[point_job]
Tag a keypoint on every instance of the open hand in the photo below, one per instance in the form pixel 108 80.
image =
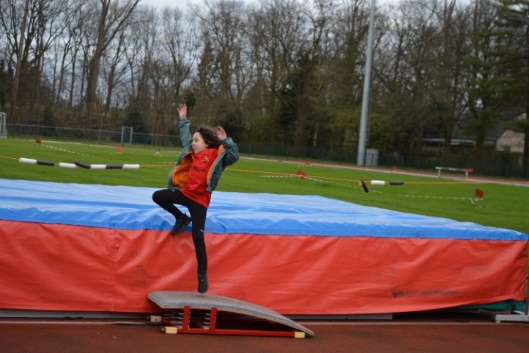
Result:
pixel 221 134
pixel 182 111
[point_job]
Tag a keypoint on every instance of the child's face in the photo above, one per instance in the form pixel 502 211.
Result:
pixel 198 145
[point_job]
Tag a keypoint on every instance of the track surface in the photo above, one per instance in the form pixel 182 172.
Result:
pixel 408 333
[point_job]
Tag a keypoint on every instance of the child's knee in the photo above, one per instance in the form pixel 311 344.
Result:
pixel 157 196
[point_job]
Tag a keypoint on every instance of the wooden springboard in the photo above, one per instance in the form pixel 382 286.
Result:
pixel 186 312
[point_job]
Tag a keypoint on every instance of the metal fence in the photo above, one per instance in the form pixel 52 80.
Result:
pixel 92 136
pixel 501 165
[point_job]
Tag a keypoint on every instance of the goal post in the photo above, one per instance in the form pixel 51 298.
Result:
pixel 126 134
pixel 3 129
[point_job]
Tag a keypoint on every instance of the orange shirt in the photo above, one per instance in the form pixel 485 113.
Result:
pixel 196 187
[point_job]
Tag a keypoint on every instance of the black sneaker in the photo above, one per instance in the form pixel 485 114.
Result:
pixel 203 283
pixel 180 224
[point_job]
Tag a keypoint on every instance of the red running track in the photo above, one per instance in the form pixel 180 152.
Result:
pixel 408 333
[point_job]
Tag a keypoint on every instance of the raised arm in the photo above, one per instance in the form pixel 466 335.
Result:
pixel 221 134
pixel 182 111
pixel 183 125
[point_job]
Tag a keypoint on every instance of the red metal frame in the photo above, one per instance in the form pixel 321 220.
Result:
pixel 211 326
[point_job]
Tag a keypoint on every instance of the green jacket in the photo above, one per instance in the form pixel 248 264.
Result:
pixel 228 154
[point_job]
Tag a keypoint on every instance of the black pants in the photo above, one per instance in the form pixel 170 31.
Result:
pixel 166 199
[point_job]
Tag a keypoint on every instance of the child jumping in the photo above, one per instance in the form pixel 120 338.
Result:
pixel 193 179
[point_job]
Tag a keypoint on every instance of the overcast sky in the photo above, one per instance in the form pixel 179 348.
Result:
pixel 171 3
pixel 183 3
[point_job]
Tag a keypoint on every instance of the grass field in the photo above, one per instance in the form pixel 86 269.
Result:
pixel 503 205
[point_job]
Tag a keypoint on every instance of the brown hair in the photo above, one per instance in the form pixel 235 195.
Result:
pixel 209 134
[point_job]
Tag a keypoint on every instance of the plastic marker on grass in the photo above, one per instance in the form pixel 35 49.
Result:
pixel 378 182
pixel 35 161
pixel 382 182
pixel 79 164
pixel 107 166
pixel 364 186
pixel 51 164
pixel 98 166
pixel 67 165
pixel 396 182
pixel 27 161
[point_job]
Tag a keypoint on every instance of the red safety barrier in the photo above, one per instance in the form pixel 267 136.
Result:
pixel 73 268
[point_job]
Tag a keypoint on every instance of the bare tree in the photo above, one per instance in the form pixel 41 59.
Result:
pixel 311 87
pixel 422 72
pixel 112 16
pixel 395 84
pixel 15 26
pixel 30 27
pixel 67 49
pixel 140 53
pixel 486 83
pixel 180 48
pixel 114 70
pixel 341 66
pixel 446 75
pixel 173 66
pixel 277 38
pixel 223 25
pixel 514 24
pixel 142 56
pixel 46 27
